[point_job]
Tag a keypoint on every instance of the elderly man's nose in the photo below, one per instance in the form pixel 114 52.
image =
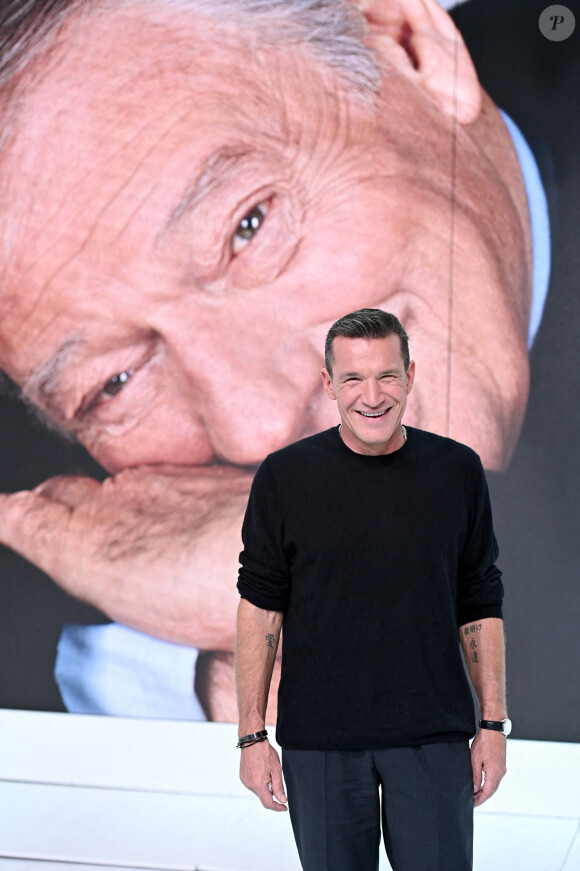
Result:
pixel 255 417
pixel 251 405
pixel 251 387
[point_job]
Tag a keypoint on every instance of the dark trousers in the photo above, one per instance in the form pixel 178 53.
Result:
pixel 425 805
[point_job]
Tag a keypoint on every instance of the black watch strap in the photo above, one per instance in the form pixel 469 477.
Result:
pixel 503 726
pixel 496 725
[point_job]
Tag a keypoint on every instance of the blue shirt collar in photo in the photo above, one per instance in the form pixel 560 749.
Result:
pixel 540 227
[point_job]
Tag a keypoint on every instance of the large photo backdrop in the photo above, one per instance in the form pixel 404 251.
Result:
pixel 190 198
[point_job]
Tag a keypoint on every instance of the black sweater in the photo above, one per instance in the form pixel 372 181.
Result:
pixel 375 562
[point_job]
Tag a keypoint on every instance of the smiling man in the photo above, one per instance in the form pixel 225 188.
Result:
pixel 194 192
pixel 371 408
pixel 371 546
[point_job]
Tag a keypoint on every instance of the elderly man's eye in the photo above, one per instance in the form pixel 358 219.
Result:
pixel 115 384
pixel 248 227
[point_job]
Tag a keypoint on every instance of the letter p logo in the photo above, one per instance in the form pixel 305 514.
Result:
pixel 557 23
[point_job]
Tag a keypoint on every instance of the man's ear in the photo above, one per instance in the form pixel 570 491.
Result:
pixel 410 377
pixel 421 41
pixel 327 383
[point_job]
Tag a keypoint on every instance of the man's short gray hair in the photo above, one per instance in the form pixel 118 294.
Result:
pixel 332 30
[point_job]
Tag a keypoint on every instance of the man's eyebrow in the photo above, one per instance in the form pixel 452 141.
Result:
pixel 45 378
pixel 214 173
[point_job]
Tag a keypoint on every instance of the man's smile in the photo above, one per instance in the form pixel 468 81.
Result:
pixel 373 413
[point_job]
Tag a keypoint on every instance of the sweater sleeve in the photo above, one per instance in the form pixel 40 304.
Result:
pixel 264 575
pixel 479 584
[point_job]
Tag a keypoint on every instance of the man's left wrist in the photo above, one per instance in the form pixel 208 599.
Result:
pixel 504 726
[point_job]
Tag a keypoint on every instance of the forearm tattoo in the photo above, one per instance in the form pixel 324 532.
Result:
pixel 270 641
pixel 470 633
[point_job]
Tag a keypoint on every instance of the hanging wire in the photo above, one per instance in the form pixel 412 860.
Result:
pixel 452 195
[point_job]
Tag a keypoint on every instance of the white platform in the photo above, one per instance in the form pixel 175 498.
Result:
pixel 96 791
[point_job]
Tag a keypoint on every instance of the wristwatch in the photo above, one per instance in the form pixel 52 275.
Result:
pixel 503 726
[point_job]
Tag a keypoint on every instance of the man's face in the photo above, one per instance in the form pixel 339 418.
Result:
pixel 370 385
pixel 189 218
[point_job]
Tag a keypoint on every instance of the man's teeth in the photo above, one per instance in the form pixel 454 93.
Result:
pixel 376 414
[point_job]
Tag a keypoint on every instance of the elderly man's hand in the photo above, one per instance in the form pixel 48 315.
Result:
pixel 155 548
pixel 215 687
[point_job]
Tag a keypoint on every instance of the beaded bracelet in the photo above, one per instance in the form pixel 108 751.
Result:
pixel 251 739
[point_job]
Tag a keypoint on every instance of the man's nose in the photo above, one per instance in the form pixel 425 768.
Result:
pixel 372 394
pixel 251 391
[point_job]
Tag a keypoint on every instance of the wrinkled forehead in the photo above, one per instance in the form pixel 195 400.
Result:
pixel 104 141
pixel 349 352
pixel 111 78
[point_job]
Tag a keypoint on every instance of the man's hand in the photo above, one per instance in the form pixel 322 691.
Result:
pixel 488 751
pixel 483 647
pixel 261 772
pixel 155 548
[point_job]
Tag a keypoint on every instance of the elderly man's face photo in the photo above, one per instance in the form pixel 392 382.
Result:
pixel 191 216
pixel 191 194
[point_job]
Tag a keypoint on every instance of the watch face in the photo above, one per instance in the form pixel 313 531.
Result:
pixel 507 727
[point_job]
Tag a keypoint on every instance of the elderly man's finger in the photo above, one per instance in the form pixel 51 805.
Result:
pixel 70 490
pixel 33 525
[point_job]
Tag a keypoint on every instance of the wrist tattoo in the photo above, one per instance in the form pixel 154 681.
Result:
pixel 270 641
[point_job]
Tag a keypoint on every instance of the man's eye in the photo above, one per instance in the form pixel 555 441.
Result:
pixel 115 384
pixel 248 227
